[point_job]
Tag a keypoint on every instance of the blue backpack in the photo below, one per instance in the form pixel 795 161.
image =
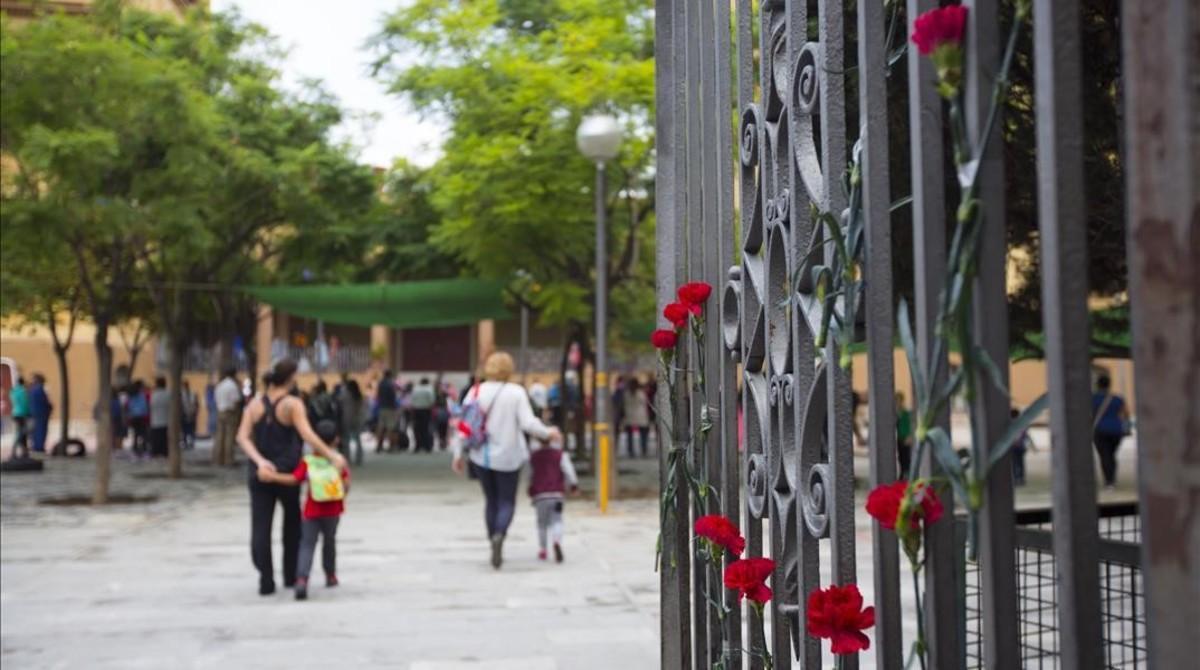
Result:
pixel 473 425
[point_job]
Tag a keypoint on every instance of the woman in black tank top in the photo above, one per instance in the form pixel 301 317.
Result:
pixel 272 434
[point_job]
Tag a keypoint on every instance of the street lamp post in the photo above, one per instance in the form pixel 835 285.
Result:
pixel 599 139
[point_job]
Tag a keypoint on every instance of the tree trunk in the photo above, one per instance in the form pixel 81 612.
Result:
pixel 175 421
pixel 104 432
pixel 64 396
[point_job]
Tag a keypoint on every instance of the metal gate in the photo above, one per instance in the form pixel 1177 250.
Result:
pixel 753 153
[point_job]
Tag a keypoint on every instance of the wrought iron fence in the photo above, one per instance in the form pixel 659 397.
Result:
pixel 738 208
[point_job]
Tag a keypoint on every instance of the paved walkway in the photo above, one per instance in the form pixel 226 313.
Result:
pixel 170 585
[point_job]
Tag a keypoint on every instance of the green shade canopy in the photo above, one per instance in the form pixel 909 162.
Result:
pixel 418 304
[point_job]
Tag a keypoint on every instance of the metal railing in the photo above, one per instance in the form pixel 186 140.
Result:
pixel 1122 593
pixel 747 197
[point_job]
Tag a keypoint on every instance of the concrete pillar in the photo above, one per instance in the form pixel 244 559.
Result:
pixel 485 339
pixel 381 340
pixel 264 334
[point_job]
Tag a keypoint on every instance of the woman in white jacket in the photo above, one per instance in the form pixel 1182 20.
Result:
pixel 497 465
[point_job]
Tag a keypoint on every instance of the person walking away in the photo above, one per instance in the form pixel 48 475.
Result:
pixel 1019 447
pixel 903 435
pixel 19 398
pixel 351 406
pixel 210 412
pixel 323 507
pixel 422 401
pixel 227 397
pixel 441 415
pixel 160 415
pixel 499 450
pixel 1110 425
pixel 388 425
pixel 321 405
pixel 551 474
pixel 637 415
pixel 190 406
pixel 272 431
pixel 40 409
pixel 138 410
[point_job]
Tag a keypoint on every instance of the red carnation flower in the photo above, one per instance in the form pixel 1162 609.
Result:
pixel 837 614
pixel 748 577
pixel 884 502
pixel 721 531
pixel 677 314
pixel 664 339
pixel 945 25
pixel 695 294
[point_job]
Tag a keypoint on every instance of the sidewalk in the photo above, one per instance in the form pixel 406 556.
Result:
pixel 170 584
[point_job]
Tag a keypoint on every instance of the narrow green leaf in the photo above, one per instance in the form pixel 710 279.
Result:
pixel 1014 430
pixel 910 348
pixel 993 372
pixel 900 203
pixel 951 464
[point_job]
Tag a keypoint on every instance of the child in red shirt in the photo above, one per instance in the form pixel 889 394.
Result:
pixel 320 516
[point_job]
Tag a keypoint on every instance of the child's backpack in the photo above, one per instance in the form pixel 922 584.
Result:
pixel 324 480
pixel 473 425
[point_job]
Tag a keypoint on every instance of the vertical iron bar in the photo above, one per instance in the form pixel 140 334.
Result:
pixel 675 614
pixel 778 641
pixel 989 323
pixel 1062 223
pixel 707 267
pixel 876 201
pixel 1161 64
pixel 696 206
pixel 809 547
pixel 726 369
pixel 942 551
pixel 752 527
pixel 830 21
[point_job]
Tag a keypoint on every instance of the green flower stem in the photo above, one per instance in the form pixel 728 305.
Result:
pixel 919 643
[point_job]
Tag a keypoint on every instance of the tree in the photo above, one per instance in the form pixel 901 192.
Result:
pixel 35 293
pixel 268 175
pixel 513 78
pixel 102 139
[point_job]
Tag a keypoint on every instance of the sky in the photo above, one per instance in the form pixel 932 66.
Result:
pixel 325 41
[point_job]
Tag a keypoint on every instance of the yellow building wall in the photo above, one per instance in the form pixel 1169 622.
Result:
pixel 1027 379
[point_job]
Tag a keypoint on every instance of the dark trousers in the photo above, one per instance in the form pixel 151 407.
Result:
pixel 310 530
pixel 22 437
pixel 139 425
pixel 158 441
pixel 422 421
pixel 262 514
pixel 500 494
pixel 904 456
pixel 1018 466
pixel 643 432
pixel 41 428
pixel 1106 447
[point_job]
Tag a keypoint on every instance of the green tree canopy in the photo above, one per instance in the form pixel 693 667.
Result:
pixel 512 80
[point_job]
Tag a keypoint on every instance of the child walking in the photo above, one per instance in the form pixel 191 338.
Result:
pixel 552 473
pixel 323 507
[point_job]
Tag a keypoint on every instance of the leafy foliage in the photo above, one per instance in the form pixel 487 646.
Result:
pixel 513 78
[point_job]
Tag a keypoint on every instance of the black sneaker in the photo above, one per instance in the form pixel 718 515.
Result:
pixel 266 587
pixel 558 555
pixel 301 589
pixel 497 550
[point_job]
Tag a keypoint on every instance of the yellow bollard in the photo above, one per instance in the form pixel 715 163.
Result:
pixel 602 478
